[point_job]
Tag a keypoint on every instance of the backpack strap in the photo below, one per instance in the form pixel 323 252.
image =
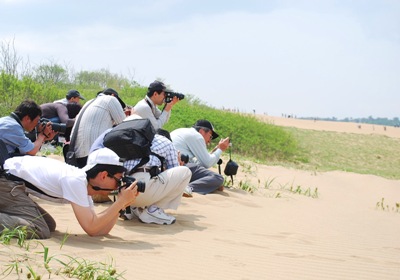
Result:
pixel 3 154
pixel 145 160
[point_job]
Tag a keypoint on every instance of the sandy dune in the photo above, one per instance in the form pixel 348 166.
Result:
pixel 335 231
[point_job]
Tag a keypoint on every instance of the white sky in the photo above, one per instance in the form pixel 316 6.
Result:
pixel 308 58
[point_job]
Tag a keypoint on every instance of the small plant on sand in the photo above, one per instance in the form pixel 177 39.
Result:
pixel 306 192
pixel 20 233
pixel 68 266
pixel 309 192
pixel 246 186
pixel 385 207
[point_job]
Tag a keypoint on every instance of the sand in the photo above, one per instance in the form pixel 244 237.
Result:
pixel 338 230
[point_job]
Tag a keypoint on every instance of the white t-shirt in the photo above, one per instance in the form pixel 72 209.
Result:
pixel 52 176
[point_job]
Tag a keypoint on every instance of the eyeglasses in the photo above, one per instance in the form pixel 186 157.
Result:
pixel 118 180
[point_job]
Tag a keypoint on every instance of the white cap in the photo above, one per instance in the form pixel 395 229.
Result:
pixel 102 156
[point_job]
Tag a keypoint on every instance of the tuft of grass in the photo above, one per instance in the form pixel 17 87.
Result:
pixel 66 265
pixel 385 207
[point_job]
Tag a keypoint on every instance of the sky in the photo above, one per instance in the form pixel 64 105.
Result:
pixel 304 58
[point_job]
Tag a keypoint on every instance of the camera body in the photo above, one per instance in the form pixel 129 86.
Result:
pixel 169 95
pixel 128 180
pixel 58 127
pixel 184 158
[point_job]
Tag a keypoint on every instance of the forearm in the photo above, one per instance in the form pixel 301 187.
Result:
pixel 97 224
pixel 37 144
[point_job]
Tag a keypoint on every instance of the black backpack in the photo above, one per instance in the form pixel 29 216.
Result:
pixel 132 140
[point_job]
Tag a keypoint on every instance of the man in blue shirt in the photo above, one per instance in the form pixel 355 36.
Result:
pixel 25 118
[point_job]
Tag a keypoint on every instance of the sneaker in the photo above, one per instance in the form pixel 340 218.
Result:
pixel 188 192
pixel 156 216
pixel 133 213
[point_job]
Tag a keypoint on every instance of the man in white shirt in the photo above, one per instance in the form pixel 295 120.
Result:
pixel 193 142
pixel 147 107
pixel 56 180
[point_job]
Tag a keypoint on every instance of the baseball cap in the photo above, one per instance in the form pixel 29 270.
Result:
pixel 74 93
pixel 207 124
pixel 111 91
pixel 103 156
pixel 157 86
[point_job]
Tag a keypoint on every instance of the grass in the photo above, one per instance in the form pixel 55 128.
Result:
pixel 350 152
pixel 385 207
pixel 39 265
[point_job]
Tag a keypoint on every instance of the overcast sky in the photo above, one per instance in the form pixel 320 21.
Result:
pixel 305 58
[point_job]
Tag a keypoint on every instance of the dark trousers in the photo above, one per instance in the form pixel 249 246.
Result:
pixel 204 181
pixel 18 209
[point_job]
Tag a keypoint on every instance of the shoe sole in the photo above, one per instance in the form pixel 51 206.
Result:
pixel 166 223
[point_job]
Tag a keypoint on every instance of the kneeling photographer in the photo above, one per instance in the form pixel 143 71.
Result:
pixel 163 183
pixel 193 142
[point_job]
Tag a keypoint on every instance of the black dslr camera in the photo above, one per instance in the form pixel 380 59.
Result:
pixel 128 180
pixel 169 95
pixel 58 127
pixel 184 158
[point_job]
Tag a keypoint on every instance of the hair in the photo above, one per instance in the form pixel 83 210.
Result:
pixel 73 109
pixel 28 108
pixel 152 89
pixel 151 92
pixel 206 129
pixel 164 133
pixel 109 168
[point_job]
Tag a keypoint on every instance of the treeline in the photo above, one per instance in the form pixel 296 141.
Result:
pixel 370 120
pixel 47 82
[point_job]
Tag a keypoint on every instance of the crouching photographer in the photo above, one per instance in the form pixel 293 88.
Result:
pixel 164 180
pixel 193 142
pixel 24 118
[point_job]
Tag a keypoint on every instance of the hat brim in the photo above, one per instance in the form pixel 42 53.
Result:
pixel 121 102
pixel 214 135
pixel 81 97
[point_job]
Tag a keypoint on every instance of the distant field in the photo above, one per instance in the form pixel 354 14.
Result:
pixel 345 146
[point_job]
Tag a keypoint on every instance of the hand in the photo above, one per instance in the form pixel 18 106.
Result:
pixel 128 195
pixel 224 144
pixel 48 132
pixel 181 162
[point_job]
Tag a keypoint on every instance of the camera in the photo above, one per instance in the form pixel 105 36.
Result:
pixel 169 95
pixel 184 158
pixel 128 180
pixel 58 127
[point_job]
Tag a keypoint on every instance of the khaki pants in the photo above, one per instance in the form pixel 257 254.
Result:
pixel 18 209
pixel 165 190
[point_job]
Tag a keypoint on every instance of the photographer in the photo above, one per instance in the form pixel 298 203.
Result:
pixel 156 95
pixel 57 111
pixel 25 118
pixel 193 143
pixel 163 188
pixel 59 182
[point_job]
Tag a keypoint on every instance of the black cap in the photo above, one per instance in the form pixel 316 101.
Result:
pixel 111 91
pixel 207 124
pixel 157 86
pixel 74 93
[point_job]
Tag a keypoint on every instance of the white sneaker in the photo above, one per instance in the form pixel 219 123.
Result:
pixel 155 215
pixel 188 192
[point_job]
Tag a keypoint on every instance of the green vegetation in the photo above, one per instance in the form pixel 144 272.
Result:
pixel 253 140
pixel 38 265
pixel 385 207
pixel 363 154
